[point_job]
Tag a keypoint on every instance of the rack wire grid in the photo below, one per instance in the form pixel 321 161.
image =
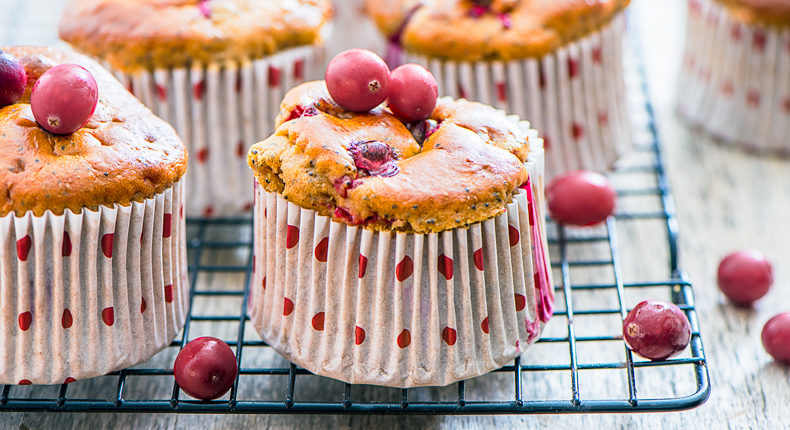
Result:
pixel 580 364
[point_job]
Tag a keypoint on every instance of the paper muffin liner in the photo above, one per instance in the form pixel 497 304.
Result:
pixel 220 110
pixel 397 309
pixel 357 29
pixel 575 96
pixel 85 294
pixel 735 80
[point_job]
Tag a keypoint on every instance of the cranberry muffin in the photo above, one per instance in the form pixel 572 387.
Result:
pixel 215 69
pixel 91 233
pixel 398 254
pixel 556 62
pixel 738 91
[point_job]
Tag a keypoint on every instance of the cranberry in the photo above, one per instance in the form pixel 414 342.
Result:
pixel 12 79
pixel 205 9
pixel 375 157
pixel 64 98
pixel 581 198
pixel 656 330
pixel 357 79
pixel 205 368
pixel 413 93
pixel 745 276
pixel 776 337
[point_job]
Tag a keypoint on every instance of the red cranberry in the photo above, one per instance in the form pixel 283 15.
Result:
pixel 358 80
pixel 205 368
pixel 776 337
pixel 581 198
pixel 375 158
pixel 12 79
pixel 745 276
pixel 413 93
pixel 656 330
pixel 64 98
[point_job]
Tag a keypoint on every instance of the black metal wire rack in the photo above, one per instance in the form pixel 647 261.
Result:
pixel 561 373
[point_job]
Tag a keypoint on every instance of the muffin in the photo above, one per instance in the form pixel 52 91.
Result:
pixel 92 238
pixel 215 69
pixel 398 256
pixel 558 63
pixel 735 79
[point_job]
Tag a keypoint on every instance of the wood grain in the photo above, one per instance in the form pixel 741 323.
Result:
pixel 725 199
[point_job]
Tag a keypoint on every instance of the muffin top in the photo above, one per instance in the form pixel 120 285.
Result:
pixel 123 154
pixel 460 166
pixel 151 34
pixel 767 12
pixel 489 30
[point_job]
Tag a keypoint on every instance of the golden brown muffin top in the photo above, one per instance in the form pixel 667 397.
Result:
pixel 767 12
pixel 465 171
pixel 123 154
pixel 151 34
pixel 489 30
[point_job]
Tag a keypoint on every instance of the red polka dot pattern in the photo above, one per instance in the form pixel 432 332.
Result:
pixel 513 235
pixel 202 155
pixel 240 149
pixel 197 90
pixel 65 249
pixel 166 225
pixel 106 244
pixel 478 259
pixel 168 293
pixel 291 237
pixel 23 247
pixel 404 269
pixel 299 69
pixel 108 316
pixel 69 380
pixel 446 266
pixel 449 335
pixel 264 283
pixel 318 321
pixel 274 76
pixel 66 320
pixel 161 92
pixel 521 302
pixel 597 54
pixel 573 67
pixel 288 306
pixel 577 130
pixel 25 382
pixel 359 335
pixel 363 265
pixel 404 338
pixel 143 306
pixel 501 92
pixel 321 250
pixel 25 319
pixel 484 325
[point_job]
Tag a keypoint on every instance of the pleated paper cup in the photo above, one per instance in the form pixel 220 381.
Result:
pixel 735 80
pixel 575 96
pixel 84 294
pixel 219 111
pixel 395 309
pixel 357 29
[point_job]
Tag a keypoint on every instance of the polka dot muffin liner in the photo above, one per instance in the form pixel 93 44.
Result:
pixel 575 96
pixel 85 294
pixel 351 14
pixel 735 80
pixel 401 310
pixel 220 110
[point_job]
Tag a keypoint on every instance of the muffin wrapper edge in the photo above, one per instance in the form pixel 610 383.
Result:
pixel 220 110
pixel 85 294
pixel 735 80
pixel 401 310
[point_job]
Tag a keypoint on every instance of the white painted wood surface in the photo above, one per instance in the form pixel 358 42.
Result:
pixel 725 199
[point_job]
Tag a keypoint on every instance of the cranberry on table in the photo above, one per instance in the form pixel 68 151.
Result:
pixel 413 93
pixel 581 198
pixel 656 330
pixel 64 98
pixel 776 337
pixel 357 80
pixel 745 276
pixel 12 79
pixel 205 368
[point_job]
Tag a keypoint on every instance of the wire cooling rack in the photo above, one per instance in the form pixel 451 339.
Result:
pixel 579 365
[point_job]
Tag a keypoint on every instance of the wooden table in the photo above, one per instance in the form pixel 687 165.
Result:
pixel 726 200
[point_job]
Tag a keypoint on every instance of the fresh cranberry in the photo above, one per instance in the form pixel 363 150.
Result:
pixel 656 330
pixel 776 337
pixel 413 93
pixel 205 368
pixel 357 80
pixel 375 158
pixel 12 79
pixel 581 198
pixel 64 98
pixel 745 276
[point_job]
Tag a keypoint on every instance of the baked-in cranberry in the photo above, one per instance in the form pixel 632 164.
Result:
pixel 206 368
pixel 580 198
pixel 64 98
pixel 413 92
pixel 422 130
pixel 745 276
pixel 776 337
pixel 12 79
pixel 357 80
pixel 656 330
pixel 375 158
